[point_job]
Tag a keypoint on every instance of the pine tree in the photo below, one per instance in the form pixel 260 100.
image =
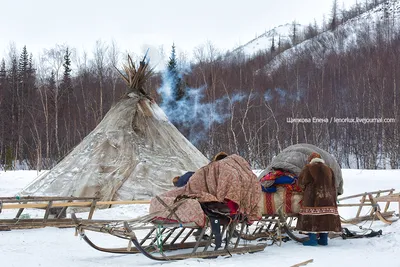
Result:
pixel 273 44
pixel 23 61
pixel 31 70
pixel 23 65
pixel 3 110
pixel 3 73
pixel 334 19
pixel 311 31
pixel 178 91
pixel 3 94
pixel 66 94
pixel 294 33
pixel 52 81
pixel 26 76
pixel 66 81
pixel 22 101
pixel 279 43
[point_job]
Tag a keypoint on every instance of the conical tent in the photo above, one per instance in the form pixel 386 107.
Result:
pixel 133 153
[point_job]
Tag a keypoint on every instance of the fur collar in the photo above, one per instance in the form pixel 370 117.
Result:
pixel 315 160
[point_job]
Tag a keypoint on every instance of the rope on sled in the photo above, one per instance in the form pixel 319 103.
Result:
pixel 159 238
pixel 361 226
pixel 346 233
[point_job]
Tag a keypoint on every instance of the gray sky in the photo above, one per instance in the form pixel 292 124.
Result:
pixel 134 24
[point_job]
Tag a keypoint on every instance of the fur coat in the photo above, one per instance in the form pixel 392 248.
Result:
pixel 318 211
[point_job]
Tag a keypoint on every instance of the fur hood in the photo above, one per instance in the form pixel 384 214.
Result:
pixel 317 160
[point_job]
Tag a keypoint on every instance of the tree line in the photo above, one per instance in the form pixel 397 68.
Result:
pixel 49 104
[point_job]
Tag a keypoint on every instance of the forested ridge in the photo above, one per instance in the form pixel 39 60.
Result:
pixel 346 102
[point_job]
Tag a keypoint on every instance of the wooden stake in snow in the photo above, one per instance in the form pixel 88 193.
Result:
pixel 303 263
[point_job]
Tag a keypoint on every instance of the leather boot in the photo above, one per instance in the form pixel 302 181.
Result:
pixel 323 239
pixel 312 241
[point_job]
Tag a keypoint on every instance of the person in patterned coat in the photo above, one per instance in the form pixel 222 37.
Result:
pixel 318 212
pixel 180 181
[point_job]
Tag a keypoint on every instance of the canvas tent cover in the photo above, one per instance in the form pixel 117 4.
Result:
pixel 133 153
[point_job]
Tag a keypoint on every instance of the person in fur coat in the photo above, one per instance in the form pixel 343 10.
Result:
pixel 318 213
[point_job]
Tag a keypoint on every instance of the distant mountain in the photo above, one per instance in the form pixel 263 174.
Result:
pixel 264 41
pixel 355 32
pixel 345 37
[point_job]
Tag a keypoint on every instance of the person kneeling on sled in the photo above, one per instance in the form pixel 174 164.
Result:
pixel 180 181
pixel 318 212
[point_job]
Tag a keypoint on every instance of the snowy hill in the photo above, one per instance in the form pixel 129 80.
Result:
pixel 347 35
pixel 50 247
pixel 264 41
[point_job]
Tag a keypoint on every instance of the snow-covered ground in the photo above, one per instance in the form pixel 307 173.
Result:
pixel 60 247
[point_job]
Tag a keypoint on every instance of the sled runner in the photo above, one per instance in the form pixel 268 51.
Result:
pixel 163 238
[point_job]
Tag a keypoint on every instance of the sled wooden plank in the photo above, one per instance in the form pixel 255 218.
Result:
pixel 389 198
pixel 303 263
pixel 367 217
pixel 388 203
pixel 19 211
pixel 49 222
pixel 73 204
pixel 366 193
pixel 46 214
pixel 62 211
pixel 38 223
pixel 40 220
pixel 33 226
pixel 92 208
pixel 360 208
pixel 354 205
pixel 374 203
pixel 4 228
pixel 31 199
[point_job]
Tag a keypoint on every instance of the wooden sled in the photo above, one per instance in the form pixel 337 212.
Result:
pixel 371 200
pixel 276 228
pixel 163 241
pixel 279 226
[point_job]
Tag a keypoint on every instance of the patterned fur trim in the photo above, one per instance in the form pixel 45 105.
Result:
pixel 315 160
pixel 318 211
